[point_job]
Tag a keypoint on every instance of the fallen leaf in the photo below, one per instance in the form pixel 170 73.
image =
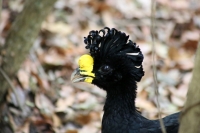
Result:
pixel 90 128
pixel 107 19
pixel 64 103
pixel 56 121
pixel 89 104
pixel 187 64
pixel 177 101
pixel 66 91
pixel 179 5
pixel 17 98
pixel 23 77
pixel 83 119
pixel 72 131
pixel 187 78
pixel 44 104
pixel 179 54
pixel 82 96
pixel 59 27
pixel 52 57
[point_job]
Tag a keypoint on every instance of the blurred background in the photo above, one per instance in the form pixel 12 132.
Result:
pixel 51 103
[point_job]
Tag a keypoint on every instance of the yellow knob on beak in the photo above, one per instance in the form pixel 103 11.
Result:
pixel 84 72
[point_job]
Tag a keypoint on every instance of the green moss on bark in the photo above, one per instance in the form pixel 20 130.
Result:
pixel 20 38
pixel 190 119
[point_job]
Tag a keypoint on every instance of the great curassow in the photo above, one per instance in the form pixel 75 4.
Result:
pixel 115 65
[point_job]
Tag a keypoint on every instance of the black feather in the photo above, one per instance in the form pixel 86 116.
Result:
pixel 111 48
pixel 112 42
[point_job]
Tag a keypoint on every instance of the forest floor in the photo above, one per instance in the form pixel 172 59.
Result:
pixel 51 103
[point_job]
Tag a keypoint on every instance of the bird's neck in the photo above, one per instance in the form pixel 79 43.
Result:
pixel 120 110
pixel 121 101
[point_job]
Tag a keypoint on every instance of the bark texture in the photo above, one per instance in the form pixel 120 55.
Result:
pixel 20 38
pixel 190 118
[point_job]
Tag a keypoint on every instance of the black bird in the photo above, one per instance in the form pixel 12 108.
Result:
pixel 115 65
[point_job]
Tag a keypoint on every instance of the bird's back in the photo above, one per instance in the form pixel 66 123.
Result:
pixel 138 124
pixel 171 124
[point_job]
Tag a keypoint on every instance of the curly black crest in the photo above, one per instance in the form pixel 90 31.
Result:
pixel 112 42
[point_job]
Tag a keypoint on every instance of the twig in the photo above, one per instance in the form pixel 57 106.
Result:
pixel 1 4
pixel 153 8
pixel 34 58
pixel 11 85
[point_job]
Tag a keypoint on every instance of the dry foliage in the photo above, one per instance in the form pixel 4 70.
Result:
pixel 51 103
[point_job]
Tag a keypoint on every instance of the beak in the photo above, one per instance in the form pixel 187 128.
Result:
pixel 77 77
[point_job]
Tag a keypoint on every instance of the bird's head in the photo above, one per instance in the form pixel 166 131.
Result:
pixel 113 62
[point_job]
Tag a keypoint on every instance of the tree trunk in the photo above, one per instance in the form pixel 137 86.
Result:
pixel 20 38
pixel 190 118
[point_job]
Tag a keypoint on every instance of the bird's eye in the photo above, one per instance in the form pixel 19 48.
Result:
pixel 105 69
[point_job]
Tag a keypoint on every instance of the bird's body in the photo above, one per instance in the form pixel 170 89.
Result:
pixel 135 123
pixel 121 116
pixel 115 65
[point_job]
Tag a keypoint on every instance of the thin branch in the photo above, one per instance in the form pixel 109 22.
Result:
pixel 1 5
pixel 11 85
pixel 153 8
